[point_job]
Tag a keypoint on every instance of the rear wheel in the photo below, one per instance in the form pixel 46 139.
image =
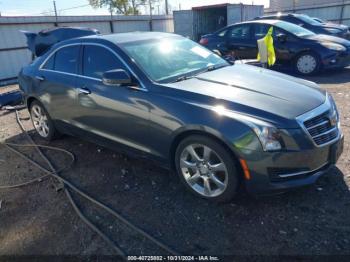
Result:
pixel 206 168
pixel 42 121
pixel 307 64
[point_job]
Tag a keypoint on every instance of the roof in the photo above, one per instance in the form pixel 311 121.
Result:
pixel 120 38
pixel 266 21
pixel 219 6
pixel 279 14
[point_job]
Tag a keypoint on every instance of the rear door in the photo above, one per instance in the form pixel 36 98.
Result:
pixel 56 82
pixel 118 113
pixel 241 42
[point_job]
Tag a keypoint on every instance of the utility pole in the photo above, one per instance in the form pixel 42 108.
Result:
pixel 342 12
pixel 111 21
pixel 150 14
pixel 166 7
pixel 55 9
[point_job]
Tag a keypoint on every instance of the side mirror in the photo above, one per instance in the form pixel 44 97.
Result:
pixel 282 38
pixel 116 77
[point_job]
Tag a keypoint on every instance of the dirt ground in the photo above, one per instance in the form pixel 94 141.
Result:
pixel 37 220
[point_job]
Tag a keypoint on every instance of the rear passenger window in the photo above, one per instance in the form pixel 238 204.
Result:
pixel 98 60
pixel 66 59
pixel 240 32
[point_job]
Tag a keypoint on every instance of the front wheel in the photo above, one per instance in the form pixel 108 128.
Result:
pixel 307 64
pixel 206 168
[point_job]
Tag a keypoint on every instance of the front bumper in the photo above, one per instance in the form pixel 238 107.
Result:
pixel 281 171
pixel 336 60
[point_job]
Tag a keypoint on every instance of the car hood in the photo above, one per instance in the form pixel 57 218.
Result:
pixel 333 26
pixel 269 95
pixel 329 38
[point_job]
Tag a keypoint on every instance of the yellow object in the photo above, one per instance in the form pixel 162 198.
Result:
pixel 268 40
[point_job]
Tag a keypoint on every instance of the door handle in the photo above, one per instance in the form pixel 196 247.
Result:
pixel 84 90
pixel 40 78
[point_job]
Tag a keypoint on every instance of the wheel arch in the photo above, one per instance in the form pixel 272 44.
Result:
pixel 186 133
pixel 30 100
pixel 306 51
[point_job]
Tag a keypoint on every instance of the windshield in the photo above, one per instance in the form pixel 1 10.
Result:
pixel 308 20
pixel 168 59
pixel 294 29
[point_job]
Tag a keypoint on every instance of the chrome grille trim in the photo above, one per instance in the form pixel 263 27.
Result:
pixel 320 133
pixel 325 133
pixel 320 124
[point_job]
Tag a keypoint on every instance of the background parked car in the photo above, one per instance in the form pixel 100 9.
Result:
pixel 330 23
pixel 311 24
pixel 295 46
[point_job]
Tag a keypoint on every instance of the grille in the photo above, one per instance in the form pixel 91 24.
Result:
pixel 320 128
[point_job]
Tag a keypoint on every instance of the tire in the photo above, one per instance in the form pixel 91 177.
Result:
pixel 307 63
pixel 42 122
pixel 197 171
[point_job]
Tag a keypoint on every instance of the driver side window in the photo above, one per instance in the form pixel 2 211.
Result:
pixel 97 60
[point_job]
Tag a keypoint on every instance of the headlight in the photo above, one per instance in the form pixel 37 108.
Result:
pixel 335 110
pixel 334 46
pixel 333 31
pixel 269 135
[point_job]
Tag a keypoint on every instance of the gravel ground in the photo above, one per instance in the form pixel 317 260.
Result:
pixel 37 220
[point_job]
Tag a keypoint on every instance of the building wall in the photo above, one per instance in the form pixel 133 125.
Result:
pixel 13 48
pixel 276 5
pixel 337 11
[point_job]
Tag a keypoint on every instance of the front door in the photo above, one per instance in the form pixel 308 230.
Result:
pixel 118 113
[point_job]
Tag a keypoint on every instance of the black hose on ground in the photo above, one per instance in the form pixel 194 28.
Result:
pixel 54 174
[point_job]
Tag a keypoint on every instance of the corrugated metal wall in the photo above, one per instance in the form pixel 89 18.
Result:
pixel 276 5
pixel 337 11
pixel 13 51
pixel 239 13
pixel 183 23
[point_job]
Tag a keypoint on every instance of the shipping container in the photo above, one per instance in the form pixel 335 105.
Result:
pixel 207 19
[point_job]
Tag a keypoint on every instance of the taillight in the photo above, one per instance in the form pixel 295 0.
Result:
pixel 204 41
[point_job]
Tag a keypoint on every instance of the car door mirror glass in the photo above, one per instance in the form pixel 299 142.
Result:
pixel 116 77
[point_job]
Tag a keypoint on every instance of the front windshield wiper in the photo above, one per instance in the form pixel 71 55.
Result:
pixel 182 78
pixel 211 68
pixel 206 69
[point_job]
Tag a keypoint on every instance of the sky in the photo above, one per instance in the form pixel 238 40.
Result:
pixel 81 7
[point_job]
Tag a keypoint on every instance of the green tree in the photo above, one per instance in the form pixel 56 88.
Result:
pixel 125 7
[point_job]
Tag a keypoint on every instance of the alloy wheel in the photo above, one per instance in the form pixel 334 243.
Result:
pixel 40 121
pixel 204 170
